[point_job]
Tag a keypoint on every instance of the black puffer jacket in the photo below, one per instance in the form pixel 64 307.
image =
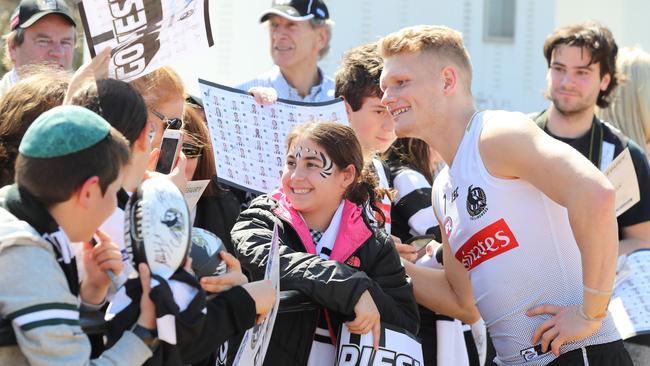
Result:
pixel 362 259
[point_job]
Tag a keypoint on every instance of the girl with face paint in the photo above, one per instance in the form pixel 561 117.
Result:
pixel 329 251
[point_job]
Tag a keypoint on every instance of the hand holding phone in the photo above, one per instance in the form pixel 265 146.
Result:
pixel 169 149
pixel 420 243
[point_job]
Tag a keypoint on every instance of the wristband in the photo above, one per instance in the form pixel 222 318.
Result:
pixel 596 291
pixel 586 317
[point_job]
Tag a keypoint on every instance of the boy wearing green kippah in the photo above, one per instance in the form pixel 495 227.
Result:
pixel 68 171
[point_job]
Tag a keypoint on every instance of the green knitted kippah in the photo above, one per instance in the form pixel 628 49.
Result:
pixel 63 130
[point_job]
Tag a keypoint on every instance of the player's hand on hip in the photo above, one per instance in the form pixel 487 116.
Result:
pixel 263 95
pixel 565 326
pixel 367 318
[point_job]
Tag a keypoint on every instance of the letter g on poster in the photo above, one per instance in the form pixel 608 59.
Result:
pixel 145 35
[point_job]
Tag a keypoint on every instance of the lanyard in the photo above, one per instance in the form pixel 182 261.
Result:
pixel 596 136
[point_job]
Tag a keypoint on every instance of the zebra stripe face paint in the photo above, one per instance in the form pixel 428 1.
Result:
pixel 301 152
pixel 328 166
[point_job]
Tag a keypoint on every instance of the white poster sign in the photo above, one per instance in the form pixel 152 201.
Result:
pixel 622 175
pixel 146 34
pixel 396 347
pixel 248 139
pixel 630 304
pixel 256 340
pixel 193 192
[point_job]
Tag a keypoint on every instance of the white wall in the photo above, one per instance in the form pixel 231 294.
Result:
pixel 240 50
pixel 506 75
pixel 628 19
pixel 511 75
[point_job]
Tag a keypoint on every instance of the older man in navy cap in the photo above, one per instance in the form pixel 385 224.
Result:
pixel 42 32
pixel 300 32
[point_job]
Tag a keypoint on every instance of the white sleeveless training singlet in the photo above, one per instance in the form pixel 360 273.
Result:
pixel 517 245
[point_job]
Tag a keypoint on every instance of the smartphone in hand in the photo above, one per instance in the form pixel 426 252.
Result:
pixel 169 149
pixel 420 243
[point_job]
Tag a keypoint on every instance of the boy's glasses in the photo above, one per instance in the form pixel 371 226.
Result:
pixel 172 123
pixel 191 150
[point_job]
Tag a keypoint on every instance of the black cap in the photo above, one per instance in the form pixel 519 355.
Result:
pixel 30 11
pixel 297 10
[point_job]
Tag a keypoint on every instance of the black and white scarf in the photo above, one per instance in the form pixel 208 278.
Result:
pixel 22 204
pixel 180 314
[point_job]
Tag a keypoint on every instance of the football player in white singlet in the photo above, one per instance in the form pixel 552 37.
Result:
pixel 530 235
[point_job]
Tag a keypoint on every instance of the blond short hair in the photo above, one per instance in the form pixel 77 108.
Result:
pixel 159 87
pixel 629 109
pixel 436 39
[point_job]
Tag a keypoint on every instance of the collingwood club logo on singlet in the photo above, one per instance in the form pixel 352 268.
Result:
pixel 476 202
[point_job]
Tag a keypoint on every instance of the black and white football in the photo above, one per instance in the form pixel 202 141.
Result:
pixel 206 260
pixel 157 227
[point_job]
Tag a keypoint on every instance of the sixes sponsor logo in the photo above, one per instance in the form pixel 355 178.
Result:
pixel 493 240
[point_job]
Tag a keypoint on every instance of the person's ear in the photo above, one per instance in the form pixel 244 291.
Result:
pixel 449 77
pixel 323 37
pixel 86 193
pixel 604 81
pixel 349 175
pixel 348 108
pixel 11 46
pixel 142 142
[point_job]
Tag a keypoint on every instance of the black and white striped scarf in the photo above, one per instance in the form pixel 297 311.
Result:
pixel 26 207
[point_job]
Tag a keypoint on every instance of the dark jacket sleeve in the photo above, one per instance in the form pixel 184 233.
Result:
pixel 228 313
pixel 391 291
pixel 334 285
pixel 218 215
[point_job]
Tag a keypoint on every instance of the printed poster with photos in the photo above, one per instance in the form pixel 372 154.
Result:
pixel 256 340
pixel 630 303
pixel 145 35
pixel 248 139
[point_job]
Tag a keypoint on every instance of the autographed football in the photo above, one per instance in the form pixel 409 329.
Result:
pixel 206 260
pixel 157 228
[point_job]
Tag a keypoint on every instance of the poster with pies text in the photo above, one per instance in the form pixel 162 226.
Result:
pixel 256 340
pixel 396 347
pixel 248 138
pixel 145 35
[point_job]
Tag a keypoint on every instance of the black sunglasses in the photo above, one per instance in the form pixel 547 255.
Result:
pixel 191 151
pixel 172 123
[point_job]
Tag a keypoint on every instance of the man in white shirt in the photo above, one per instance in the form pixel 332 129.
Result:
pixel 300 32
